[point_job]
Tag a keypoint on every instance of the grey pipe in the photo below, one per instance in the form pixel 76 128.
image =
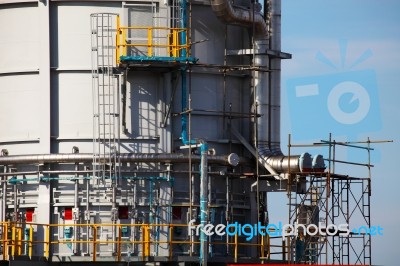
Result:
pixel 267 96
pixel 4 195
pixel 15 215
pixel 76 187
pixel 275 85
pixel 231 159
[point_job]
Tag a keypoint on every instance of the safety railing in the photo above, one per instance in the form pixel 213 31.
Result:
pixel 44 240
pixel 163 42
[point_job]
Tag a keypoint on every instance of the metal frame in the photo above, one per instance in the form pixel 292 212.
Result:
pixel 337 199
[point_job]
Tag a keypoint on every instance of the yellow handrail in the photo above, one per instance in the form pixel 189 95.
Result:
pixel 167 37
pixel 146 241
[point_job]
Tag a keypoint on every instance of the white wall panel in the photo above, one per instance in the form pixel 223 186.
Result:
pixel 72 31
pixel 19 104
pixel 19 41
pixel 75 106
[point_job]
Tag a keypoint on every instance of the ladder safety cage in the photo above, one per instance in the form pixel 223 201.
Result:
pixel 106 138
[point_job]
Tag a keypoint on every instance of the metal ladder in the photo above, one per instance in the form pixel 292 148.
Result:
pixel 314 196
pixel 106 138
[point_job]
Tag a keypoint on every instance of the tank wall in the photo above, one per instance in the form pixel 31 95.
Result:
pixel 20 37
pixel 70 29
pixel 19 79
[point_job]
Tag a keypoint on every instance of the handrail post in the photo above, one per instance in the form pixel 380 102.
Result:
pixel 5 242
pixel 146 241
pixel 30 241
pixel 13 240
pixel 149 42
pixel 174 43
pixel 124 43
pixel 262 246
pixel 236 247
pixel 19 241
pixel 118 35
pixel 47 241
pixel 170 242
pixel 94 242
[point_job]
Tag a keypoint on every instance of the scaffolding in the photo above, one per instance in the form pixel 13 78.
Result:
pixel 327 199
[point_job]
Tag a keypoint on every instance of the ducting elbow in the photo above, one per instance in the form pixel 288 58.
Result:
pixel 318 164
pixel 228 14
pixel 285 164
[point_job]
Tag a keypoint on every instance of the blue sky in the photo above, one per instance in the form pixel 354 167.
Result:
pixel 326 38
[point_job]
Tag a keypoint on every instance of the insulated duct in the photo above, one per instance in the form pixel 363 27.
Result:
pixel 267 86
pixel 240 16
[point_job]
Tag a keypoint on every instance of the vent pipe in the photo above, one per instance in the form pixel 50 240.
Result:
pixel 267 86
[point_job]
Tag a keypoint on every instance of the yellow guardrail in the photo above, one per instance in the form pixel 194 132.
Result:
pixel 168 38
pixel 26 238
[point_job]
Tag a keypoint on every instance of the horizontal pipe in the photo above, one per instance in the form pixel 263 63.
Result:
pixel 230 159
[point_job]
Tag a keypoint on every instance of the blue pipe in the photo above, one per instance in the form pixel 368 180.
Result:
pixel 183 36
pixel 184 134
pixel 203 202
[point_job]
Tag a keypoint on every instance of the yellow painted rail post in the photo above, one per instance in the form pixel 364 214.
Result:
pixel 174 43
pixel 5 242
pixel 146 241
pixel 170 242
pixel 262 246
pixel 13 240
pixel 47 242
pixel 19 247
pixel 117 36
pixel 30 241
pixel 236 247
pixel 94 242
pixel 124 43
pixel 149 42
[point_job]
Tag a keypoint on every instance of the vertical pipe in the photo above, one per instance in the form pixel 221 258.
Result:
pixel 4 195
pixel 87 212
pixel 275 86
pixel 76 248
pixel 191 199
pixel 183 40
pixel 262 100
pixel 151 201
pixel 15 215
pixel 203 203
pixel 114 215
pixel 184 134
